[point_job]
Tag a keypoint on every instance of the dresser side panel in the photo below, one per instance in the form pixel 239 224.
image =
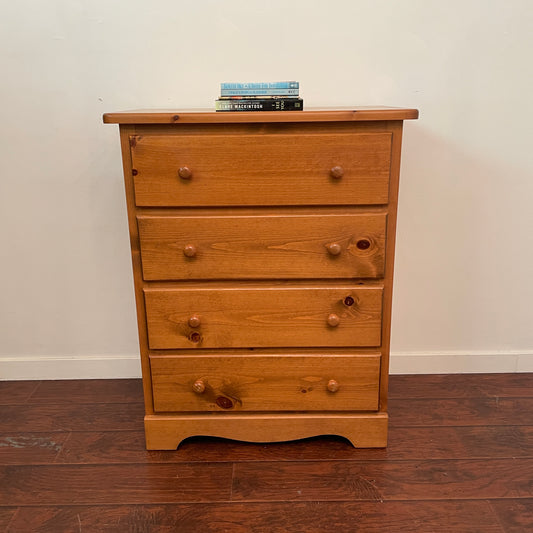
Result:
pixel 396 129
pixel 125 133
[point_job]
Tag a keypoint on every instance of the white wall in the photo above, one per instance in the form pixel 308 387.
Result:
pixel 463 292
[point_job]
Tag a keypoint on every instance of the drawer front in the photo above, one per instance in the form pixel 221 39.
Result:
pixel 265 383
pixel 255 247
pixel 263 317
pixel 274 169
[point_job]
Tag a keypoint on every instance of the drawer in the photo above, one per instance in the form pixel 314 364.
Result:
pixel 274 169
pixel 239 316
pixel 265 383
pixel 255 247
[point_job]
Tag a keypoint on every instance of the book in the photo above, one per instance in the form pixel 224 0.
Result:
pixel 259 104
pixel 258 92
pixel 261 85
pixel 255 97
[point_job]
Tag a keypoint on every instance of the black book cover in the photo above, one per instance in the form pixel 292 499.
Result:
pixel 259 104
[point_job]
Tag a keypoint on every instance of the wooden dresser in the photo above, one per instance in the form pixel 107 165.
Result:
pixel 263 254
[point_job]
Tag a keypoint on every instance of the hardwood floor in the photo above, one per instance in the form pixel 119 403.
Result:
pixel 460 459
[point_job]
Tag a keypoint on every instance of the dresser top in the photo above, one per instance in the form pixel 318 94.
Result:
pixel 188 116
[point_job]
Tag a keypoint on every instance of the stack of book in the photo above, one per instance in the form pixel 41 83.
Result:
pixel 269 96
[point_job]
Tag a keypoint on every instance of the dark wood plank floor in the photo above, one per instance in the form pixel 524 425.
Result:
pixel 460 459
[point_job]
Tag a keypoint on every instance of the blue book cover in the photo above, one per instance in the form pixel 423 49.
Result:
pixel 257 92
pixel 261 85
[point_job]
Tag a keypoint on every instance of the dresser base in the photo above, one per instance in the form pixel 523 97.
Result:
pixel 363 430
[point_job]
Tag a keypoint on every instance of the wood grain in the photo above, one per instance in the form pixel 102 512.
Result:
pixel 67 416
pixel 265 383
pixel 88 391
pixel 263 247
pixel 462 386
pixel 468 477
pixel 431 386
pixel 17 392
pixel 126 132
pixel 271 517
pixel 261 169
pixel 404 413
pixel 467 411
pixel 254 167
pixel 6 516
pixel 98 447
pixel 362 429
pixel 199 116
pixel 396 128
pixel 515 516
pixel 114 484
pixel 31 448
pixel 263 317
pixel 363 480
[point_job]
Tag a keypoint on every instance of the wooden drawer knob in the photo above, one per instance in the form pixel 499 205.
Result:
pixel 336 172
pixel 185 173
pixel 334 320
pixel 190 250
pixel 334 248
pixel 333 385
pixel 198 386
pixel 194 321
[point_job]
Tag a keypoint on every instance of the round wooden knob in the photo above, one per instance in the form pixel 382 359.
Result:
pixel 333 386
pixel 334 320
pixel 185 173
pixel 336 172
pixel 198 386
pixel 194 321
pixel 190 250
pixel 334 248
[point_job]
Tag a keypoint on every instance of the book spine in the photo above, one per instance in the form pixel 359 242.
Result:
pixel 255 97
pixel 266 85
pixel 281 104
pixel 259 92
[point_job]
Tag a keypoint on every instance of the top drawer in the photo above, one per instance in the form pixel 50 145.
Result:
pixel 276 169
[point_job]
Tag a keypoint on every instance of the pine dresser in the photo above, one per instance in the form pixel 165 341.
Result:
pixel 263 253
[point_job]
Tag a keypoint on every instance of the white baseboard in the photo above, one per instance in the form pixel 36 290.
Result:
pixel 128 366
pixel 71 367
pixel 458 362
